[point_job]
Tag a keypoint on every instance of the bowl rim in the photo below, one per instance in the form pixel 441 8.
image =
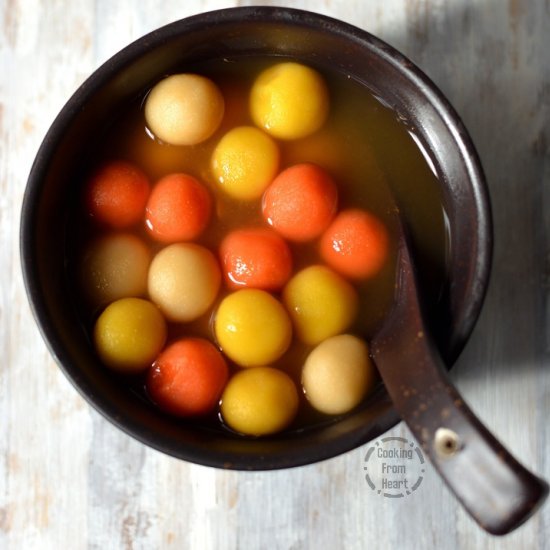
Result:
pixel 266 14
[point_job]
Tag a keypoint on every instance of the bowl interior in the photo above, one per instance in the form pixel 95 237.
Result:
pixel 313 39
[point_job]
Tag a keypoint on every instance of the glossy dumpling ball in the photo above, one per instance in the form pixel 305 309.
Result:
pixel 116 194
pixel 252 327
pixel 289 100
pixel 255 257
pixel 188 377
pixel 184 109
pixel 356 244
pixel 184 279
pixel 259 401
pixel 129 334
pixel 178 209
pixel 114 266
pixel 300 202
pixel 320 302
pixel 338 374
pixel 244 162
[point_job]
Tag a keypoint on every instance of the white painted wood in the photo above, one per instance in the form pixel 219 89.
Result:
pixel 68 479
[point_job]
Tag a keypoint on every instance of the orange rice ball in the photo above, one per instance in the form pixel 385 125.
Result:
pixel 116 194
pixel 178 209
pixel 356 244
pixel 188 377
pixel 255 258
pixel 300 202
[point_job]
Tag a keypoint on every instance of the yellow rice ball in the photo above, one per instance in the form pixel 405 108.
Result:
pixel 184 109
pixel 320 302
pixel 244 162
pixel 259 401
pixel 289 100
pixel 252 327
pixel 129 335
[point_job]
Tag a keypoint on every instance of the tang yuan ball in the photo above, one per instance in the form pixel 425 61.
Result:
pixel 259 401
pixel 289 100
pixel 178 209
pixel 129 334
pixel 338 374
pixel 320 302
pixel 252 327
pixel 116 194
pixel 300 202
pixel 256 258
pixel 356 244
pixel 183 280
pixel 244 162
pixel 188 377
pixel 114 266
pixel 184 109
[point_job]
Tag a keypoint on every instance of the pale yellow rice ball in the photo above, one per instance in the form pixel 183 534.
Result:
pixel 338 374
pixel 184 279
pixel 184 109
pixel 114 266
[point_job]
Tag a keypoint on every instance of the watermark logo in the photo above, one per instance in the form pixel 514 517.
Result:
pixel 394 467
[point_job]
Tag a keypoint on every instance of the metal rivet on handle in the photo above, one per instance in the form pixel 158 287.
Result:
pixel 446 442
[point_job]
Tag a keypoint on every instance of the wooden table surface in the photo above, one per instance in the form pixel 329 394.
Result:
pixel 70 480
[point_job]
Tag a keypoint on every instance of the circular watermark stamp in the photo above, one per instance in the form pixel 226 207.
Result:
pixel 394 467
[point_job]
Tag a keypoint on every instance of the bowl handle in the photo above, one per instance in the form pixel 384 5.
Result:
pixel 496 490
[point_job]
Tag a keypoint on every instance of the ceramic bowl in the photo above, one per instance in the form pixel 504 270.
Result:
pixel 265 31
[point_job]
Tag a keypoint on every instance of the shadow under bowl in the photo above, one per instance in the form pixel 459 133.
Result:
pixel 258 31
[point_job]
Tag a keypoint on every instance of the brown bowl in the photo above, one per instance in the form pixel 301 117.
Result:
pixel 266 31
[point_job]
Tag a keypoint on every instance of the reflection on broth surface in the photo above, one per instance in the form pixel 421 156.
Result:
pixel 371 156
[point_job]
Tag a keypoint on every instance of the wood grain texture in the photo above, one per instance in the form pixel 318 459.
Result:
pixel 68 479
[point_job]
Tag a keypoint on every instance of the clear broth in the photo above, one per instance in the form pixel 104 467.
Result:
pixel 372 155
